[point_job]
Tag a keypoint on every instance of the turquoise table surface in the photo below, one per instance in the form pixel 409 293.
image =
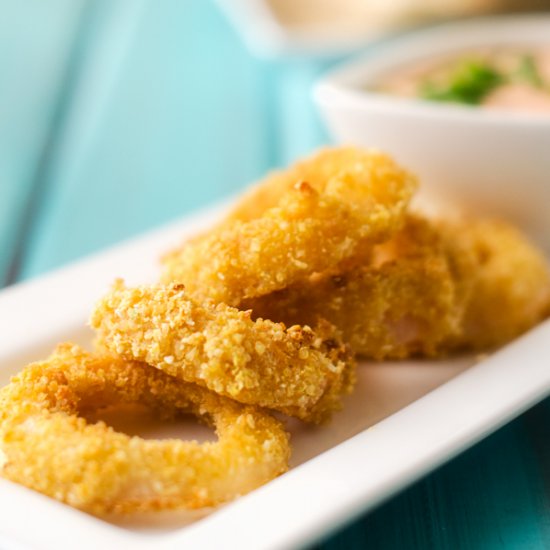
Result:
pixel 119 115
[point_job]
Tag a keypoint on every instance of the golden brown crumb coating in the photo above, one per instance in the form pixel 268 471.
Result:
pixel 435 287
pixel 510 288
pixel 350 201
pixel 316 169
pixel 47 445
pixel 293 370
pixel 407 301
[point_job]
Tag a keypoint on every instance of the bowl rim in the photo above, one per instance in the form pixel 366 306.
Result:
pixel 340 86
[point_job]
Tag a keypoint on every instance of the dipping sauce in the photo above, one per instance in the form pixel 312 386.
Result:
pixel 512 79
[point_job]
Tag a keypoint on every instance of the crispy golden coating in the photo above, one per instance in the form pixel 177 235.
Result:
pixel 510 289
pixel 434 288
pixel 296 370
pixel 317 169
pixel 404 308
pixel 48 447
pixel 407 301
pixel 350 201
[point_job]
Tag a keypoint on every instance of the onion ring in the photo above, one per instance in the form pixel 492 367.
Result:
pixel 408 301
pixel 46 446
pixel 510 288
pixel 435 287
pixel 319 168
pixel 296 371
pixel 353 200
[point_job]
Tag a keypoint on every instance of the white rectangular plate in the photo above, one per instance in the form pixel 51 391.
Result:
pixel 403 420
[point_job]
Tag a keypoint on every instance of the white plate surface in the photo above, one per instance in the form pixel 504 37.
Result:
pixel 403 420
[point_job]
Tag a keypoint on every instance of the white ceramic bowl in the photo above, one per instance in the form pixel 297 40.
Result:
pixel 496 163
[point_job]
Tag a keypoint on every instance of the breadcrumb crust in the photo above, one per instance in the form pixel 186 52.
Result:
pixel 350 200
pixel 435 288
pixel 510 288
pixel 294 370
pixel 48 446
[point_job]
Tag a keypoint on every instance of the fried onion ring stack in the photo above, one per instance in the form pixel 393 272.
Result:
pixel 317 264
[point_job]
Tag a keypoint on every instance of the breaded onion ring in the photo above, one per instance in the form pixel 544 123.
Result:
pixel 319 168
pixel 46 446
pixel 434 288
pixel 404 308
pixel 510 288
pixel 408 301
pixel 351 200
pixel 296 370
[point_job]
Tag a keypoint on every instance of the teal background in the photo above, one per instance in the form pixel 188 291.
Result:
pixel 119 115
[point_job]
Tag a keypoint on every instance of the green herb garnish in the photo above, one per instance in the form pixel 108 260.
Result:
pixel 528 72
pixel 469 83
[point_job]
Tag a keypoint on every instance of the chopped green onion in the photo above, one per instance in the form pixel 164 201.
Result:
pixel 469 83
pixel 529 72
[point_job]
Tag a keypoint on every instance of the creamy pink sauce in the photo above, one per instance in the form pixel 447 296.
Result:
pixel 512 96
pixel 518 97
